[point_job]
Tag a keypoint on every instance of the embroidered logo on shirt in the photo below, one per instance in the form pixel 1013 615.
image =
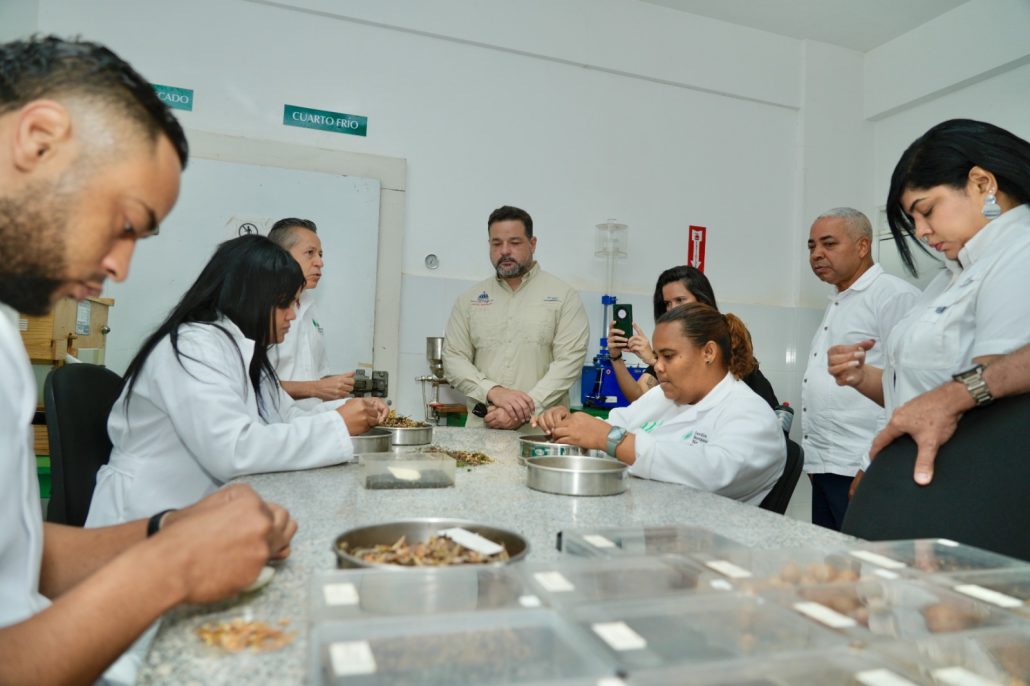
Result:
pixel 699 437
pixel 316 325
pixel 482 299
pixel 552 299
pixel 649 426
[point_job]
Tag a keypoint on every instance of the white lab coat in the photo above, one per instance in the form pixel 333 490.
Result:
pixel 729 443
pixel 21 534
pixel 193 424
pixel 302 355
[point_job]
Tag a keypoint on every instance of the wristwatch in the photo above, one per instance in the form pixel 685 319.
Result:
pixel 615 437
pixel 974 382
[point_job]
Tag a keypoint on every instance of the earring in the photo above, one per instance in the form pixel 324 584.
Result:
pixel 991 208
pixel 708 362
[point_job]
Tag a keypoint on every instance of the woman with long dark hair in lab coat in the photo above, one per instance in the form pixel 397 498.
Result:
pixel 201 403
pixel 702 426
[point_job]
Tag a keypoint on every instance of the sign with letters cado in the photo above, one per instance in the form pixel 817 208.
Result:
pixel 176 98
pixel 323 120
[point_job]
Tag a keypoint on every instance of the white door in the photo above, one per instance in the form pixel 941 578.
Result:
pixel 215 196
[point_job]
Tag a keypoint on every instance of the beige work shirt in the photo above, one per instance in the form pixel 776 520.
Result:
pixel 533 339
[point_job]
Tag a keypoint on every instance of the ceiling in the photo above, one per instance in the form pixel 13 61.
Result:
pixel 857 24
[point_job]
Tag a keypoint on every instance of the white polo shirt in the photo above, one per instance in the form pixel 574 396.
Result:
pixel 21 534
pixel 302 355
pixel 979 306
pixel 837 422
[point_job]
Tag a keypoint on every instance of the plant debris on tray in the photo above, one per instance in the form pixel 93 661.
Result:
pixel 238 635
pixel 438 551
pixel 464 458
pixel 396 421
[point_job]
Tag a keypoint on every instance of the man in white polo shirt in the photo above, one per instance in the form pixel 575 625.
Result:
pixel 837 422
pixel 300 361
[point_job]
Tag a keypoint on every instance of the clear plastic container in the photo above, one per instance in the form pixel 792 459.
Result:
pixel 477 649
pixel 363 593
pixel 407 469
pixel 697 629
pixel 906 609
pixel 1008 589
pixel 569 582
pixel 930 556
pixel 831 668
pixel 643 540
pixel 979 658
pixel 754 571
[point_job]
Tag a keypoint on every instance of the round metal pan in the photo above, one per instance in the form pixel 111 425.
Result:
pixel 419 531
pixel 539 445
pixel 372 441
pixel 418 435
pixel 576 475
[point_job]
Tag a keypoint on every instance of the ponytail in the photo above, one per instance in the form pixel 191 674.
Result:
pixel 701 324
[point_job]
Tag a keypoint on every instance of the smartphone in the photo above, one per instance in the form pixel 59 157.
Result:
pixel 623 315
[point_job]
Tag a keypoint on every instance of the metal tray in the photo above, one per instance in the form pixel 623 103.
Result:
pixel 418 531
pixel 576 475
pixel 372 441
pixel 418 435
pixel 539 445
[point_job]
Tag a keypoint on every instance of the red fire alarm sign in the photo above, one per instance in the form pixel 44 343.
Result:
pixel 696 247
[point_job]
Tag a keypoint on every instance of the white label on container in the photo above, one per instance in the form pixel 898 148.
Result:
pixel 728 569
pixel 948 542
pixel 619 636
pixel 405 474
pixel 352 657
pixel 23 324
pixel 960 676
pixel 825 615
pixel 82 318
pixel 877 559
pixel 598 541
pixel 340 594
pixel 881 677
pixel 721 585
pixel 885 573
pixel 610 681
pixel 529 601
pixel 472 541
pixel 988 595
pixel 554 582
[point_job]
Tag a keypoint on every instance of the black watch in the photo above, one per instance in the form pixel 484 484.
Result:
pixel 154 524
pixel 974 382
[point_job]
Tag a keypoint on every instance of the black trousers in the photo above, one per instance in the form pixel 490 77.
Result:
pixel 830 499
pixel 980 494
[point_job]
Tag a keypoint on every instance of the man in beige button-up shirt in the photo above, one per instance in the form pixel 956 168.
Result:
pixel 515 342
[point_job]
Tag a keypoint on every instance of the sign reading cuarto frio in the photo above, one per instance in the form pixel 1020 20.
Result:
pixel 323 120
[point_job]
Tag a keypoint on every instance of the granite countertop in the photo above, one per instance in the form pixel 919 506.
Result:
pixel 328 501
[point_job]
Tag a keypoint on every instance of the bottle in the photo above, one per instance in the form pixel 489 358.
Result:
pixel 785 413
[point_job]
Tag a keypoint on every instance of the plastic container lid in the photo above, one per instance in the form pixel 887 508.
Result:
pixel 409 469
pixel 473 649
pixel 754 571
pixel 569 582
pixel 697 629
pixel 907 609
pixel 643 540
pixel 374 592
pixel 930 556
pixel 1008 589
pixel 979 658
pixel 836 667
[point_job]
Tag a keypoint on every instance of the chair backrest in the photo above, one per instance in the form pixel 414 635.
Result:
pixel 78 398
pixel 779 497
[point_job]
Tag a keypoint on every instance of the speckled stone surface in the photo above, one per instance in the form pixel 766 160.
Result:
pixel 328 501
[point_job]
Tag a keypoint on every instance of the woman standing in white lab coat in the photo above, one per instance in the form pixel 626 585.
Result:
pixel 201 403
pixel 702 426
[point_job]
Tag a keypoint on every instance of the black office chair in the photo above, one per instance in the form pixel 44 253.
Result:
pixel 779 497
pixel 78 398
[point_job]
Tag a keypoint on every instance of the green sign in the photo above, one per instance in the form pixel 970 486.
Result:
pixel 323 120
pixel 176 98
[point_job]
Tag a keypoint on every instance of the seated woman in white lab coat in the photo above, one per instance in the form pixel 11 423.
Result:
pixel 701 426
pixel 201 403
